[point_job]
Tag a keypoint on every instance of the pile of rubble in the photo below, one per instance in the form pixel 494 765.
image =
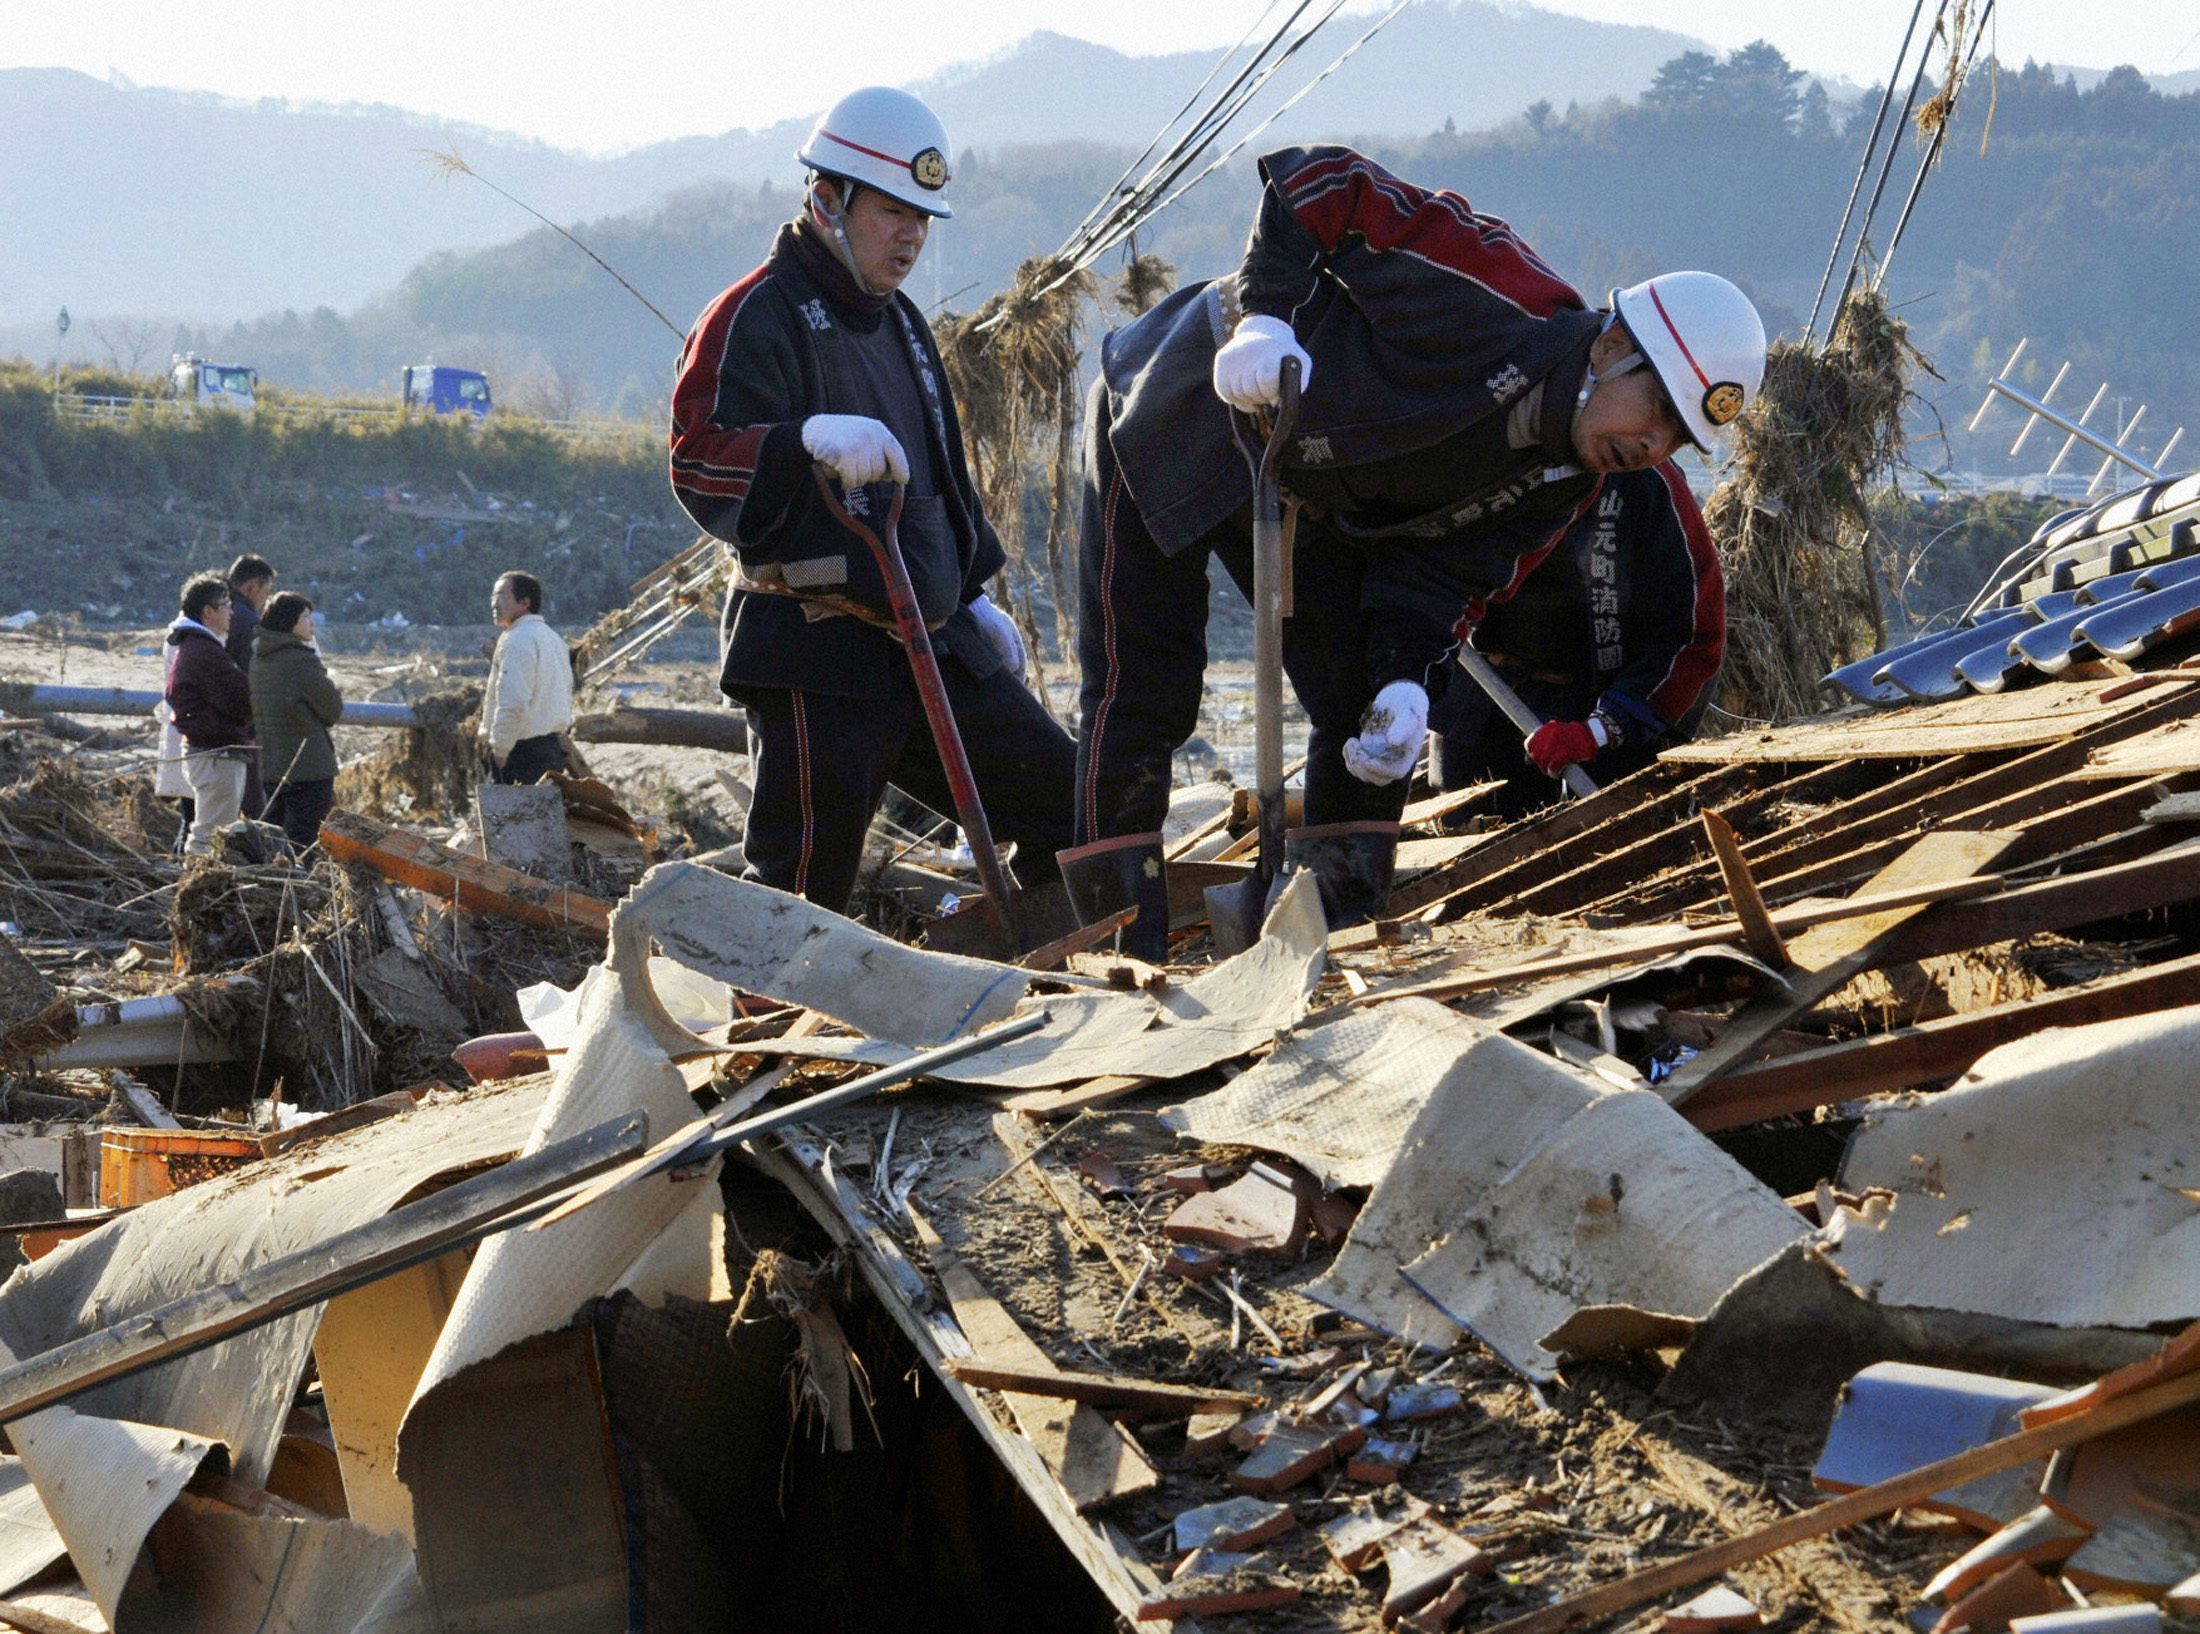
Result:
pixel 1763 1191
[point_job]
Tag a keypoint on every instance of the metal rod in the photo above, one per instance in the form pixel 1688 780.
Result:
pixel 2071 441
pixel 2007 369
pixel 733 1134
pixel 1268 591
pixel 1516 710
pixel 2075 428
pixel 2031 421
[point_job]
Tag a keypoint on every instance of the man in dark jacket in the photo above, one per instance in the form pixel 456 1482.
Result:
pixel 816 359
pixel 1615 640
pixel 294 703
pixel 1461 407
pixel 212 703
pixel 251 582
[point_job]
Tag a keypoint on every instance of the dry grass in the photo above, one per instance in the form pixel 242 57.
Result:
pixel 1791 520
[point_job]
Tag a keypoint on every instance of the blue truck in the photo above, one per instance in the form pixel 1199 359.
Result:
pixel 438 390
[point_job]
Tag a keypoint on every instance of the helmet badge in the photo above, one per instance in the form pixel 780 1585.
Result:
pixel 929 168
pixel 1722 402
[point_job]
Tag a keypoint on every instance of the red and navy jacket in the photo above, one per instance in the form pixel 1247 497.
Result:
pixel 752 370
pixel 1426 321
pixel 1631 605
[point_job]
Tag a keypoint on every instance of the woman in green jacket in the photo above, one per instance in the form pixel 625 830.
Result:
pixel 294 703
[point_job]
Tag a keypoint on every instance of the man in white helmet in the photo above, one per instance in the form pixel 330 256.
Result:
pixel 1461 406
pixel 817 359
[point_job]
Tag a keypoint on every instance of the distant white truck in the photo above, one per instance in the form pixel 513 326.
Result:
pixel 228 385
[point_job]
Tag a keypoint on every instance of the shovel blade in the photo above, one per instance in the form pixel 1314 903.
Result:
pixel 1035 919
pixel 1236 911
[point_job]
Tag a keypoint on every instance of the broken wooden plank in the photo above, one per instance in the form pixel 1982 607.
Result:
pixel 1827 958
pixel 471 882
pixel 1973 724
pixel 1062 1103
pixel 1800 917
pixel 1759 933
pixel 1632 810
pixel 1091 1457
pixel 1649 1583
pixel 1930 1051
pixel 1542 834
pixel 1104 1389
pixel 1053 955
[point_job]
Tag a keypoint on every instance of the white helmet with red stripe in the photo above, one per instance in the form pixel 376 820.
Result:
pixel 1705 341
pixel 885 139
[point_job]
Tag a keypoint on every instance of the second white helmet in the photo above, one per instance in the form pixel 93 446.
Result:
pixel 1704 339
pixel 885 139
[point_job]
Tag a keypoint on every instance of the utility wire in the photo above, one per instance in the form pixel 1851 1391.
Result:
pixel 1886 168
pixel 1871 143
pixel 1131 212
pixel 1112 231
pixel 1223 159
pixel 1932 151
pixel 1118 187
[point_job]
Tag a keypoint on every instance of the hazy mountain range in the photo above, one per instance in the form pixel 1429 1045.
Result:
pixel 181 206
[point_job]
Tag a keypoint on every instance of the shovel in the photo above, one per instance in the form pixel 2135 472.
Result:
pixel 1515 709
pixel 1236 910
pixel 1004 925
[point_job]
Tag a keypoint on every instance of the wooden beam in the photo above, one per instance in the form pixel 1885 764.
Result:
pixel 1758 930
pixel 1540 834
pixel 473 883
pixel 1798 918
pixel 1695 885
pixel 1093 1459
pixel 1104 1389
pixel 1931 1050
pixel 1826 959
pixel 2010 1452
pixel 2059 904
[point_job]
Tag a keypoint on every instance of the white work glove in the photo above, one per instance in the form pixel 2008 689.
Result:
pixel 855 448
pixel 1250 363
pixel 1391 735
pixel 1001 630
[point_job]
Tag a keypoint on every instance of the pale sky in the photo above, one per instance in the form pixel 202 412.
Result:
pixel 601 77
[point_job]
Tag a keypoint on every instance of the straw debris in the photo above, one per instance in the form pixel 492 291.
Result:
pixel 1791 521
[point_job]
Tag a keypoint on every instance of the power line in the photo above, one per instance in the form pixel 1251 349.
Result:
pixel 1863 165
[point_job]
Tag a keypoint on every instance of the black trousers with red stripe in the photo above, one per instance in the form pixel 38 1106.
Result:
pixel 1142 648
pixel 823 763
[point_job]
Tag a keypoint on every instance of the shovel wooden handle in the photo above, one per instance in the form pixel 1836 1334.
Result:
pixel 924 664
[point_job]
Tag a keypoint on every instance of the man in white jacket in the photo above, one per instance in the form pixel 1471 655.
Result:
pixel 530 698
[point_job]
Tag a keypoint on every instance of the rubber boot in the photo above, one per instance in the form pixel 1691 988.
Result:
pixel 1351 863
pixel 1124 872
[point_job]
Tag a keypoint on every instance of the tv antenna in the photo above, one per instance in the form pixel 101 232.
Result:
pixel 2075 431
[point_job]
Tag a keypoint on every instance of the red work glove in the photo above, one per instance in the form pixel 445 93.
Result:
pixel 1556 745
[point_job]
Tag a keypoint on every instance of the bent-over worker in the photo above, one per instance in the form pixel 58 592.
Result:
pixel 1615 640
pixel 1461 407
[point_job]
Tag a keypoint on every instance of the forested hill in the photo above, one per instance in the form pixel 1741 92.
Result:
pixel 2079 226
